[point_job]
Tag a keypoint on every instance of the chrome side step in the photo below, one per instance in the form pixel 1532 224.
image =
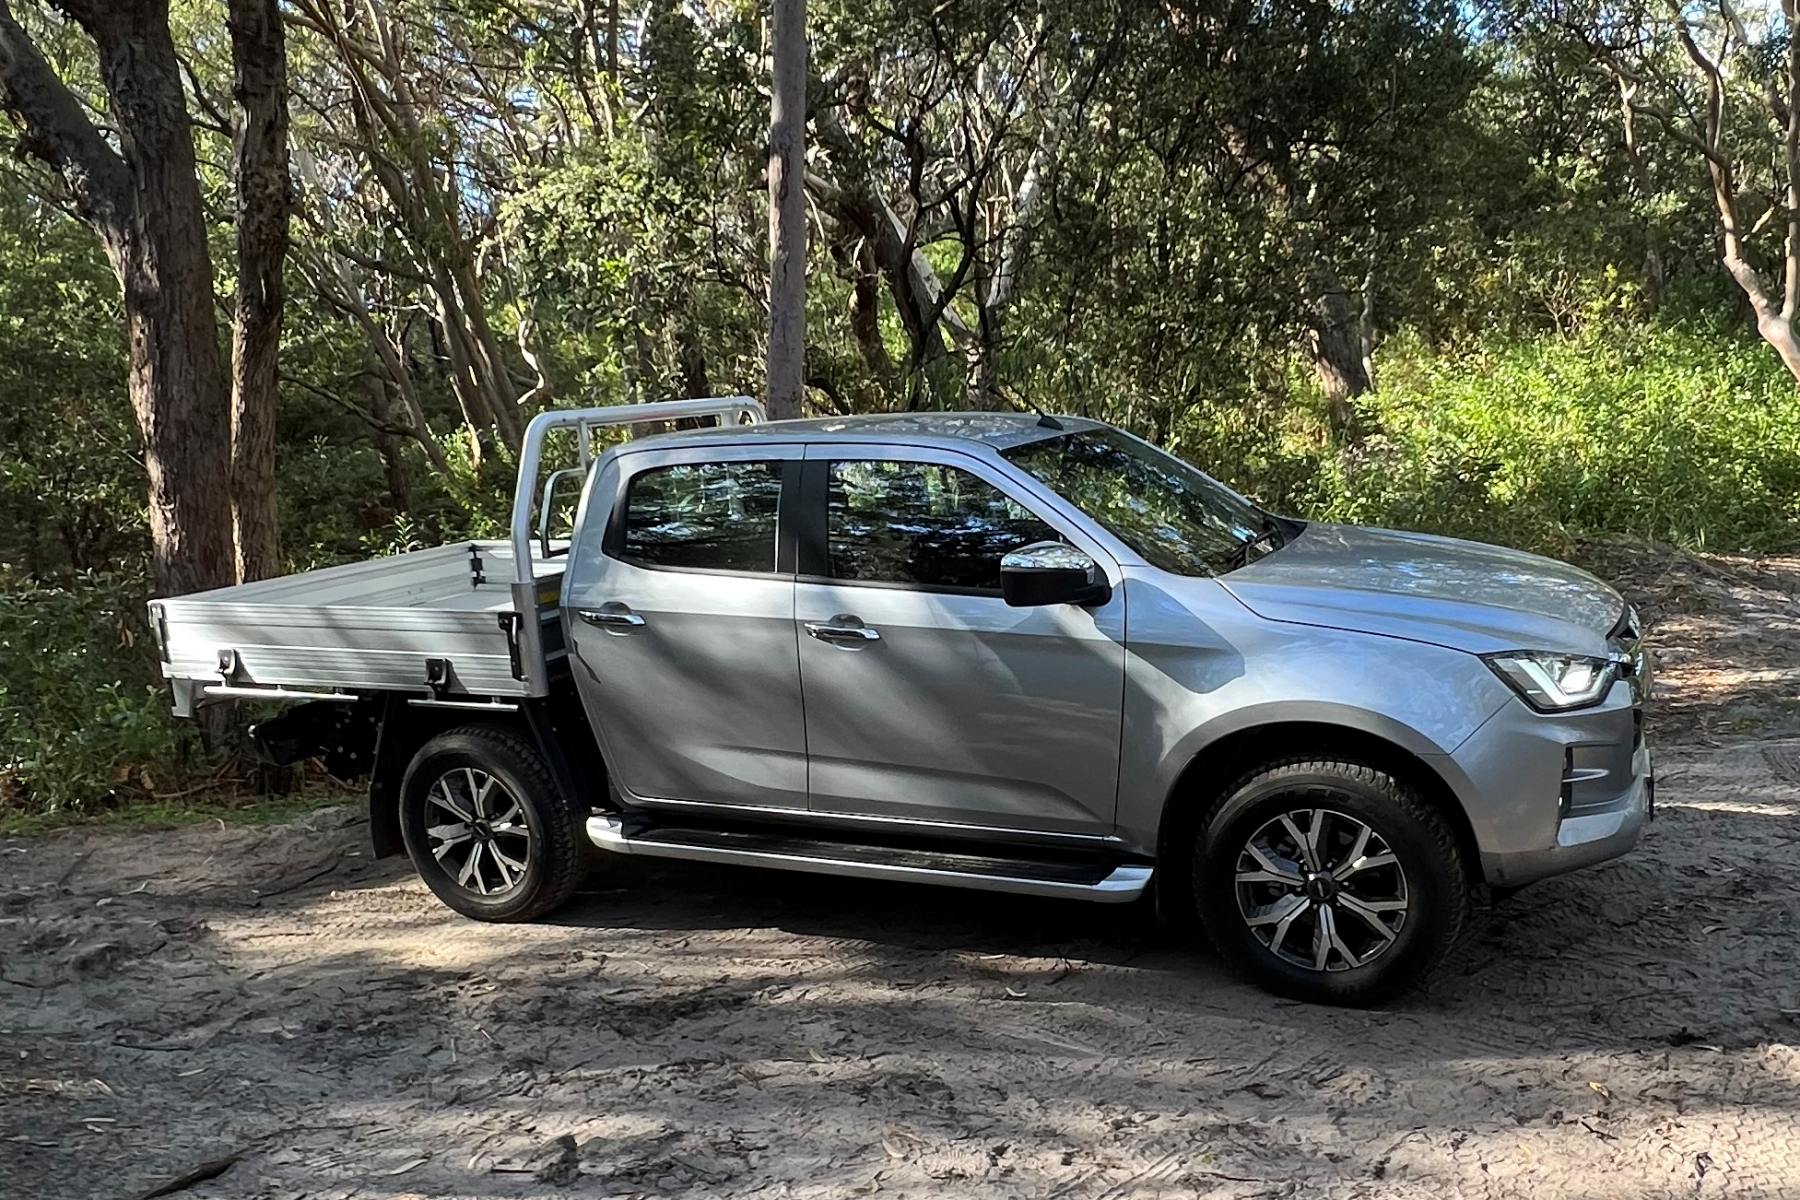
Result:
pixel 1105 883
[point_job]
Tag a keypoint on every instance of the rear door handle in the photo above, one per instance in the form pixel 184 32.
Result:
pixel 611 616
pixel 839 629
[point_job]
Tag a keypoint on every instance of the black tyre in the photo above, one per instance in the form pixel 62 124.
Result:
pixel 1330 881
pixel 486 827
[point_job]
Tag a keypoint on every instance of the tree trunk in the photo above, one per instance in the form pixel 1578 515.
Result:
pixel 787 211
pixel 865 312
pixel 387 442
pixel 177 380
pixel 1777 330
pixel 260 163
pixel 997 290
pixel 1643 190
pixel 143 200
pixel 1336 341
pixel 695 381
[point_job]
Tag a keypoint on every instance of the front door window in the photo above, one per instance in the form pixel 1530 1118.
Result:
pixel 922 525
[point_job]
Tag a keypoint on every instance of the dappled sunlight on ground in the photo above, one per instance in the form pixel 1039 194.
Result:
pixel 275 995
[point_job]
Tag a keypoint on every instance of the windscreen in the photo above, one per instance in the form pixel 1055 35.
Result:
pixel 1174 516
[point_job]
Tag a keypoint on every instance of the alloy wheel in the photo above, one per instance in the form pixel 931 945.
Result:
pixel 483 841
pixel 1322 889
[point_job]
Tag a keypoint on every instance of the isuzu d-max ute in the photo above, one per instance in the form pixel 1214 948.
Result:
pixel 1002 652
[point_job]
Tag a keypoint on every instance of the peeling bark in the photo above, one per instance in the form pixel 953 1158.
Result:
pixel 143 200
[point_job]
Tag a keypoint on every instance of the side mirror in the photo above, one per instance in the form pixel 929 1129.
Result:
pixel 1052 573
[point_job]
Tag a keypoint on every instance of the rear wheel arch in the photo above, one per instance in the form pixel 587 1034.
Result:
pixel 405 728
pixel 555 725
pixel 1228 758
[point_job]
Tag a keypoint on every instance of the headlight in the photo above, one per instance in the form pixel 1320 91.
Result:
pixel 1554 682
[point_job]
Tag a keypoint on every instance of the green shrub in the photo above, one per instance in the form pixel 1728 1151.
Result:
pixel 1688 434
pixel 84 715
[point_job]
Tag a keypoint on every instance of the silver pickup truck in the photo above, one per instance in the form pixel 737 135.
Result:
pixel 1001 652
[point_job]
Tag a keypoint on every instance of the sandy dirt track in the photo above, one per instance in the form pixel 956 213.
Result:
pixel 276 999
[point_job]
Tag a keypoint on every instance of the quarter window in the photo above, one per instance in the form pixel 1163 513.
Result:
pixel 922 525
pixel 703 516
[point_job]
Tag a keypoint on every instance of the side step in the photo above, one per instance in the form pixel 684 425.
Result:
pixel 1105 882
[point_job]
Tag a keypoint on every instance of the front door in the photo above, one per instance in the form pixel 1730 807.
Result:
pixel 927 697
pixel 680 613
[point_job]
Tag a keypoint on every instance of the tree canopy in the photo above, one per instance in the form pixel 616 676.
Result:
pixel 281 281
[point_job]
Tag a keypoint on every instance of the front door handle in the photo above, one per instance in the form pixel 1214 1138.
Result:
pixel 841 629
pixel 610 616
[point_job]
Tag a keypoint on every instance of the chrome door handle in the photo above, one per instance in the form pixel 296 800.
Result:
pixel 831 631
pixel 612 617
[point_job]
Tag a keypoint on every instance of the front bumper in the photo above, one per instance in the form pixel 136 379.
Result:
pixel 1585 838
pixel 1549 793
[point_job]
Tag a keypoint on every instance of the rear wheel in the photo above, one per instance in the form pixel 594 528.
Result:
pixel 1329 880
pixel 486 827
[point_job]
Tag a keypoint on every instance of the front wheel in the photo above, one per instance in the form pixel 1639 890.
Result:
pixel 486 827
pixel 1328 880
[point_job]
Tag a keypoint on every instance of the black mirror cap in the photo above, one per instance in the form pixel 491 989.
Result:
pixel 1036 587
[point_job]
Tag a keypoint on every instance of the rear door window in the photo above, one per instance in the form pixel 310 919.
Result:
pixel 718 516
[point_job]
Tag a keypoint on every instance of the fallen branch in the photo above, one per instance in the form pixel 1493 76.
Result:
pixel 200 1174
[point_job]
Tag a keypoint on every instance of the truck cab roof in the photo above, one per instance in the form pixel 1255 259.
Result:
pixel 995 431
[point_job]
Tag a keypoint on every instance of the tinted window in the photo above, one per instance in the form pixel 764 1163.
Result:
pixel 1176 517
pixel 714 516
pixel 922 524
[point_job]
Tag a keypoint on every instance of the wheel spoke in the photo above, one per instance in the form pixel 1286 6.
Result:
pixel 1293 905
pixel 477 790
pixel 1326 939
pixel 506 875
pixel 1304 841
pixel 441 796
pixel 1367 862
pixel 1315 854
pixel 1270 869
pixel 1378 906
pixel 1370 911
pixel 471 872
pixel 443 837
pixel 1277 912
pixel 1356 849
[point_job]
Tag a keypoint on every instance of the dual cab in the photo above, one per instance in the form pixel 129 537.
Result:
pixel 991 651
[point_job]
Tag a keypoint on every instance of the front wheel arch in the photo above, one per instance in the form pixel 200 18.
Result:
pixel 1234 755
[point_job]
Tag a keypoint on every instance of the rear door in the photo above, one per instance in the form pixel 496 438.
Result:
pixel 679 608
pixel 927 697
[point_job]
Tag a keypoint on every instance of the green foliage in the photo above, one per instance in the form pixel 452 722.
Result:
pixel 84 716
pixel 1687 433
pixel 71 485
pixel 1557 353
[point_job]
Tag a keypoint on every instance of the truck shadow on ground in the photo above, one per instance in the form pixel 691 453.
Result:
pixel 1631 953
pixel 279 989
